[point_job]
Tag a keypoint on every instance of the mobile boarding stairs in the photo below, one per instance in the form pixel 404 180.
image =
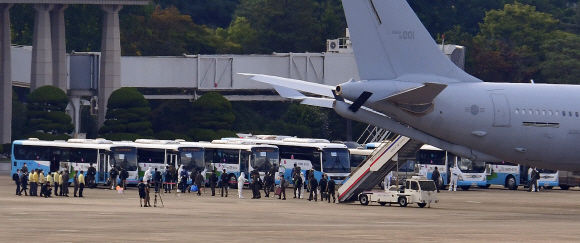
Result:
pixel 389 156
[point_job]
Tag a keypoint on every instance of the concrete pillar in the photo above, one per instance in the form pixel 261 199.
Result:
pixel 41 72
pixel 76 105
pixel 57 27
pixel 5 75
pixel 110 58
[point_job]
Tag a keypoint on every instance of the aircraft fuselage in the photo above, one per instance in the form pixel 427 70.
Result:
pixel 532 124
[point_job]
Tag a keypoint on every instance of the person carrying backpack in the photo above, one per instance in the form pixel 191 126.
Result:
pixel 113 173
pixel 167 175
pixel 297 185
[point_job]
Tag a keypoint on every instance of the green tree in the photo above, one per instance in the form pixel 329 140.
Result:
pixel 171 115
pixel 19 118
pixel 240 32
pixel 89 123
pixel 127 114
pixel 213 13
pixel 46 113
pixel 510 41
pixel 283 26
pixel 212 117
pixel 562 59
pixel 314 118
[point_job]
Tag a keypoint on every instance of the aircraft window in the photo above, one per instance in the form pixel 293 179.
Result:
pixel 550 113
pixel 544 112
pixel 537 112
pixel 576 114
pixel 563 113
pixel 517 111
pixel 557 113
pixel 569 113
pixel 530 112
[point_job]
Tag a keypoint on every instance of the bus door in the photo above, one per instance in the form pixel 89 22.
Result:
pixel 172 160
pixel 102 167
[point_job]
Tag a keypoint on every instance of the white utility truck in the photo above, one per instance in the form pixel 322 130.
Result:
pixel 417 189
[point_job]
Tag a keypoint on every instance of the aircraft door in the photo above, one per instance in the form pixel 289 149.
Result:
pixel 501 110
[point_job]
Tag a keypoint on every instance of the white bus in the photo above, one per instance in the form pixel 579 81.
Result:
pixel 357 156
pixel 318 154
pixel 238 157
pixel 162 153
pixel 73 155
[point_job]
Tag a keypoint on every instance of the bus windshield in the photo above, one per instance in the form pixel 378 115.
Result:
pixel 433 157
pixel 468 166
pixel 546 171
pixel 192 159
pixel 264 158
pixel 125 157
pixel 336 161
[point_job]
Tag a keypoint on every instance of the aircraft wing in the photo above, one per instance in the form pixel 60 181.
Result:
pixel 287 83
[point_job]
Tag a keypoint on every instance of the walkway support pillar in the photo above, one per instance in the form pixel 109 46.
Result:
pixel 110 58
pixel 5 75
pixel 58 46
pixel 41 72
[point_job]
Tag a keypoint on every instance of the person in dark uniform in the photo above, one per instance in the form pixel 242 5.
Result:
pixel 255 175
pixel 313 184
pixel 91 173
pixel 142 193
pixel 213 179
pixel 198 180
pixel 272 173
pixel 297 183
pixel 16 179
pixel 225 182
pixel 322 185
pixel 23 184
pixel 435 177
pixel 64 183
pixel 113 173
pixel 157 179
pixel 283 184
pixel 123 176
pixel 47 190
pixel 267 184
pixel 330 189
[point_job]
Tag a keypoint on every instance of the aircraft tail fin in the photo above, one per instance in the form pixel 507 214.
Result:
pixel 389 41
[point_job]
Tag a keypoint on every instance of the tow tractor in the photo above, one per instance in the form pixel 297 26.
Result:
pixel 417 189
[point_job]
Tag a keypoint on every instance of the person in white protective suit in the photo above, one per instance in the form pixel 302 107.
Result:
pixel 241 181
pixel 301 191
pixel 147 175
pixel 388 181
pixel 454 174
pixel 180 180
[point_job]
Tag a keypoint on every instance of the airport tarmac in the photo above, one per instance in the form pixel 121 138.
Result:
pixel 480 215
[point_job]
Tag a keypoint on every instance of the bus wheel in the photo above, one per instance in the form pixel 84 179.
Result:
pixel 402 201
pixel 564 187
pixel 422 205
pixel 465 188
pixel 510 183
pixel 364 200
pixel 233 181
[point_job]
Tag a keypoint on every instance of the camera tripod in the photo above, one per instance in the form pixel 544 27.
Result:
pixel 160 199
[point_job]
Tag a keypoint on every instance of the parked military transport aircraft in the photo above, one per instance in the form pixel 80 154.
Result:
pixel 409 87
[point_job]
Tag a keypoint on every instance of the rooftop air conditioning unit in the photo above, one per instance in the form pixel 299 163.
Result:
pixel 332 45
